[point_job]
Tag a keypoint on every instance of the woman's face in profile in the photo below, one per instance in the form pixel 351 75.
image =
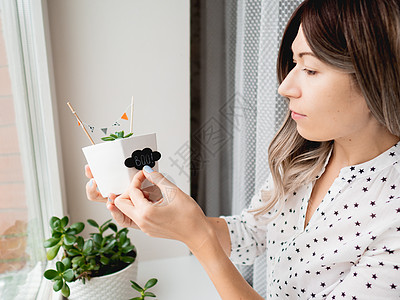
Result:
pixel 324 101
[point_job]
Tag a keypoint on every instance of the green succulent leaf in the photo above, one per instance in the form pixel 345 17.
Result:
pixel 69 239
pixel 93 223
pixel 137 298
pixel 69 275
pixel 78 260
pixel 73 252
pixel 51 242
pixel 77 227
pixel 128 249
pixel 56 234
pixel 55 223
pixel 60 267
pixel 97 238
pixel 64 221
pixel 88 247
pixel 120 134
pixel 67 262
pixel 50 274
pixel 152 282
pixel 65 290
pixel 58 284
pixel 104 260
pixel 108 139
pixel 113 227
pixel 128 135
pixel 127 259
pixel 136 286
pixel 80 242
pixel 114 136
pixel 52 252
pixel 149 294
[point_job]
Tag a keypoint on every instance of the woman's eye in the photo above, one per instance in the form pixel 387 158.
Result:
pixel 309 72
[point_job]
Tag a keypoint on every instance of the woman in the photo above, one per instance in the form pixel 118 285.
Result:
pixel 328 217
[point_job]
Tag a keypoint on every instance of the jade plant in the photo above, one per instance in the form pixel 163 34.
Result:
pixel 81 259
pixel 143 291
pixel 116 136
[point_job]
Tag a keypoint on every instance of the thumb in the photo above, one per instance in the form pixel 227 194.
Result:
pixel 168 189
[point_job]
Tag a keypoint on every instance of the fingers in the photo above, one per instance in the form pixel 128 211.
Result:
pixel 168 189
pixel 120 218
pixel 93 193
pixel 88 172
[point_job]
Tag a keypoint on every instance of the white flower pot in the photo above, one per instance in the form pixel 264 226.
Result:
pixel 107 162
pixel 112 286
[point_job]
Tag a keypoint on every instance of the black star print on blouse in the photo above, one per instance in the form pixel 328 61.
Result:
pixel 349 250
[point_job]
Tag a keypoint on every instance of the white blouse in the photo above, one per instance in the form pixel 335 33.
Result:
pixel 350 249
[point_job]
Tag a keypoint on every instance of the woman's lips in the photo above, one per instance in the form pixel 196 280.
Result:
pixel 297 116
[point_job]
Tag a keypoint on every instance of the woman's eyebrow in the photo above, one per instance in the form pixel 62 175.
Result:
pixel 301 54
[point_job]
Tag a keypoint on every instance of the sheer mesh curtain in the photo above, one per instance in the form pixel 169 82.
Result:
pixel 235 106
pixel 260 25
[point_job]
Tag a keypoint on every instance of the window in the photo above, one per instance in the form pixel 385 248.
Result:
pixel 30 183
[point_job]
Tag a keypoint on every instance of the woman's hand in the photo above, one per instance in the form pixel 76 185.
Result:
pixel 92 192
pixel 174 216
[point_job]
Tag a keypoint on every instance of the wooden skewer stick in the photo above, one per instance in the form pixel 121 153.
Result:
pixel 132 115
pixel 80 122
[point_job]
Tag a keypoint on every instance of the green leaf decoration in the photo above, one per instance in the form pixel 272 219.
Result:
pixel 137 298
pixel 69 275
pixel 51 242
pixel 58 284
pixel 56 234
pixel 50 274
pixel 52 253
pixel 152 282
pixel 114 136
pixel 120 134
pixel 108 139
pixel 93 223
pixel 64 221
pixel 136 286
pixel 65 290
pixel 149 294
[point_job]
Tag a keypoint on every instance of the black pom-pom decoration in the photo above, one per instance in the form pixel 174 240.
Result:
pixel 141 158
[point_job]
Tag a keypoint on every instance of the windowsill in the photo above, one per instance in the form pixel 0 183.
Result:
pixel 179 278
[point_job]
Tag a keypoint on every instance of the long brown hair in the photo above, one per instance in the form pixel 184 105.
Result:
pixel 360 37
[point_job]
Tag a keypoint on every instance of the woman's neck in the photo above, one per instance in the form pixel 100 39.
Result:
pixel 356 150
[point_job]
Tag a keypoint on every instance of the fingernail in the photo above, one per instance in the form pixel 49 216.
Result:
pixel 97 189
pixel 148 169
pixel 91 182
pixel 109 199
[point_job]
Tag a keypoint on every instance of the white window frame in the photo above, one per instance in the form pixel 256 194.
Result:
pixel 26 31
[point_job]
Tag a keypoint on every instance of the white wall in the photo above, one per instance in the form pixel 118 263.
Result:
pixel 103 53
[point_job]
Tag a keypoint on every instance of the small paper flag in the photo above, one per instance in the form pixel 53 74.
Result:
pixel 91 128
pixel 124 116
pixel 104 130
pixel 116 124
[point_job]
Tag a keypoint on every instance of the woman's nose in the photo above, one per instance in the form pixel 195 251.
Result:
pixel 289 87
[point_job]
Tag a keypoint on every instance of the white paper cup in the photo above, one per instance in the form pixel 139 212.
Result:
pixel 107 161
